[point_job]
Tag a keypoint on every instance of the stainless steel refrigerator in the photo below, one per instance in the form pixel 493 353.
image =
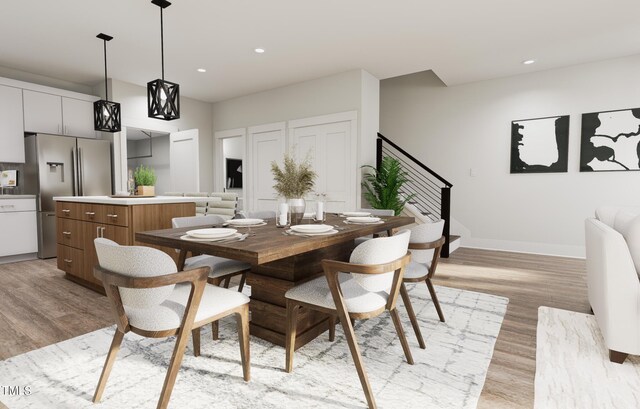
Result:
pixel 63 166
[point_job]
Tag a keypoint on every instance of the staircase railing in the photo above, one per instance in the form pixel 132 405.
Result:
pixel 432 192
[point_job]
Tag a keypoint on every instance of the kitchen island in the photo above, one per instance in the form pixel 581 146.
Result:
pixel 81 219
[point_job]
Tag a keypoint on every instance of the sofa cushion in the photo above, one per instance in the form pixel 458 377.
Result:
pixel 624 218
pixel 632 237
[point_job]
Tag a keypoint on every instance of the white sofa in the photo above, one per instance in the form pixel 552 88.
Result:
pixel 613 262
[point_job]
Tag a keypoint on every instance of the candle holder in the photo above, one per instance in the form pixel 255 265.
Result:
pixel 320 207
pixel 283 217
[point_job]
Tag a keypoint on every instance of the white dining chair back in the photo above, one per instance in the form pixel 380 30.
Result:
pixel 195 221
pixel 379 212
pixel 425 233
pixel 137 261
pixel 262 214
pixel 379 251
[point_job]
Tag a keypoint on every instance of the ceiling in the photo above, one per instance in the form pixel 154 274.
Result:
pixel 462 41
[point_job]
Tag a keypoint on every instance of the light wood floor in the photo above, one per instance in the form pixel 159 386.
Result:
pixel 39 307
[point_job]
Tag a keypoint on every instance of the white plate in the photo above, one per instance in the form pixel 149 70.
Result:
pixel 189 238
pixel 356 214
pixel 311 228
pixel 324 233
pixel 365 220
pixel 213 233
pixel 244 222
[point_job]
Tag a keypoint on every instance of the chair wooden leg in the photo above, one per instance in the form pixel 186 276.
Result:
pixel 108 364
pixel 412 315
pixel 195 334
pixel 434 298
pixel 226 282
pixel 357 358
pixel 214 330
pixel 353 322
pixel 292 321
pixel 174 367
pixel 332 328
pixel 242 321
pixel 615 357
pixel 243 278
pixel 403 339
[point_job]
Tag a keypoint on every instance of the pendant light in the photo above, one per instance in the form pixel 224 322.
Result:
pixel 106 114
pixel 163 97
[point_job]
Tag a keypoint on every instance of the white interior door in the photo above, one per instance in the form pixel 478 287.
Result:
pixel 267 144
pixel 184 166
pixel 331 147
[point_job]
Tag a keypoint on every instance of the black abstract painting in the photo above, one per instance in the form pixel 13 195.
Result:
pixel 234 173
pixel 610 141
pixel 540 145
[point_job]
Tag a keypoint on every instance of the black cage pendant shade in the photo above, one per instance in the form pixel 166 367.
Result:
pixel 163 97
pixel 106 114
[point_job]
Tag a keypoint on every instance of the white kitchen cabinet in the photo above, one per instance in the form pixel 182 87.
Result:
pixel 54 114
pixel 19 233
pixel 77 118
pixel 42 112
pixel 11 125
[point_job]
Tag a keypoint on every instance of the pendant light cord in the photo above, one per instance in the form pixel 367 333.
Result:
pixel 106 89
pixel 162 42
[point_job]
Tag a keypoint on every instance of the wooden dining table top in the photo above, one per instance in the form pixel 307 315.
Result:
pixel 269 242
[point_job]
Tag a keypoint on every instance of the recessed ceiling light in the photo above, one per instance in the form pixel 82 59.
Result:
pixel 259 50
pixel 201 70
pixel 528 62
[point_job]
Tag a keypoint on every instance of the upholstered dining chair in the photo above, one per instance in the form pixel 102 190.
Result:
pixel 362 288
pixel 222 269
pixel 425 245
pixel 151 298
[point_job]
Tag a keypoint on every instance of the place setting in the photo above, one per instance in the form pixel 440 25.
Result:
pixel 311 230
pixel 215 234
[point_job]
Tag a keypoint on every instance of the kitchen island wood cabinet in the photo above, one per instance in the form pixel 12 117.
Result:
pixel 78 223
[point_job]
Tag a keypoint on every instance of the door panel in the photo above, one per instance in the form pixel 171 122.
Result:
pixel 94 159
pixel 55 162
pixel 42 112
pixel 77 117
pixel 184 166
pixel 267 145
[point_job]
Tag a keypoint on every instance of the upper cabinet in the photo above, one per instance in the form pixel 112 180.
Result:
pixel 77 118
pixel 11 125
pixel 48 113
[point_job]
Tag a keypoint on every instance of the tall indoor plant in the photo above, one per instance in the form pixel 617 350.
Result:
pixel 145 178
pixel 382 186
pixel 293 182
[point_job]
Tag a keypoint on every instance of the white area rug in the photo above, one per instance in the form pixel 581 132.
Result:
pixel 573 368
pixel 450 373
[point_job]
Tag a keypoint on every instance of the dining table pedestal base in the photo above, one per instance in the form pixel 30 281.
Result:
pixel 270 281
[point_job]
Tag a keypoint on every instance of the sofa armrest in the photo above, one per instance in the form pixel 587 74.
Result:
pixel 614 288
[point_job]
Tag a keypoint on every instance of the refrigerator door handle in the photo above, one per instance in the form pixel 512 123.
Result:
pixel 80 174
pixel 74 173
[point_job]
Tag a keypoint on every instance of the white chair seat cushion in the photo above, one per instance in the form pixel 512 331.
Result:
pixel 220 266
pixel 416 270
pixel 357 299
pixel 168 315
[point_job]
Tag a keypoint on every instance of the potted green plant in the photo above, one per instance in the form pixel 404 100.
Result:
pixel 382 186
pixel 293 182
pixel 145 178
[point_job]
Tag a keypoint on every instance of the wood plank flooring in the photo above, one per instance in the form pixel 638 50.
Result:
pixel 38 307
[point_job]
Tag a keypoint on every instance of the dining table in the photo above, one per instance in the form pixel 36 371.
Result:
pixel 279 261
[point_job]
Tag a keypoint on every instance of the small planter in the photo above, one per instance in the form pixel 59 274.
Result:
pixel 146 191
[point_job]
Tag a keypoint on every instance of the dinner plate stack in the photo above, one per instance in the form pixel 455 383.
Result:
pixel 212 234
pixel 363 220
pixel 355 214
pixel 245 222
pixel 312 229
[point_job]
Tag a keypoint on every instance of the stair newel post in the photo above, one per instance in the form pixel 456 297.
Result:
pixel 445 214
pixel 378 153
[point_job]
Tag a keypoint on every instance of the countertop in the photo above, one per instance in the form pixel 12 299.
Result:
pixel 128 200
pixel 17 197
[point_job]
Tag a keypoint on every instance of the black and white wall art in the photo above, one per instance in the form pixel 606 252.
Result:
pixel 540 145
pixel 610 141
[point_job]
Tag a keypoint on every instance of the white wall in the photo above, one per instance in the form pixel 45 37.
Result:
pixel 455 129
pixel 193 115
pixel 354 90
pixel 47 81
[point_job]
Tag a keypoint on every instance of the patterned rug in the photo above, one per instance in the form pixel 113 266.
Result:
pixel 573 368
pixel 450 373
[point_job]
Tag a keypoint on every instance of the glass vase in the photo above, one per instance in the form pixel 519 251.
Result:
pixel 296 210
